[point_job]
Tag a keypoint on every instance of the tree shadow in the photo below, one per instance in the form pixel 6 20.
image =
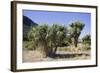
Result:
pixel 53 55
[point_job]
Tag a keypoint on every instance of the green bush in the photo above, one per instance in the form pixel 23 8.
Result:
pixel 28 45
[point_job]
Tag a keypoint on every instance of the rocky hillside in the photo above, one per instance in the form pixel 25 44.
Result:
pixel 27 25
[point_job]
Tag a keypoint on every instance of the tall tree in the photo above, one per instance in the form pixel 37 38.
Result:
pixel 56 34
pixel 75 31
pixel 38 35
pixel 49 38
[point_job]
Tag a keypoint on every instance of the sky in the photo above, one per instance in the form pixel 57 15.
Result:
pixel 61 18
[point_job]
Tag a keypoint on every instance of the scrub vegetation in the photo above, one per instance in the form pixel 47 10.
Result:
pixel 56 42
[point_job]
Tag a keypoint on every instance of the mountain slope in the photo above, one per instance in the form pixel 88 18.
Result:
pixel 27 25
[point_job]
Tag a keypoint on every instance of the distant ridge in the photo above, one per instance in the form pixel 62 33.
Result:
pixel 27 25
pixel 27 21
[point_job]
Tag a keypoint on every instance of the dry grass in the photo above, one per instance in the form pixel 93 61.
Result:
pixel 32 56
pixel 71 53
pixel 35 56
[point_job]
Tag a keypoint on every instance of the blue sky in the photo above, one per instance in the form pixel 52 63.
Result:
pixel 62 18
